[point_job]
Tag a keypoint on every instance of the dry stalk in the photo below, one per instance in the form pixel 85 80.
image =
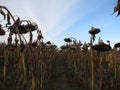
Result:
pixel 5 67
pixel 92 69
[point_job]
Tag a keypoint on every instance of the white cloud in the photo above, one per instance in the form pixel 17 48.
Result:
pixel 49 14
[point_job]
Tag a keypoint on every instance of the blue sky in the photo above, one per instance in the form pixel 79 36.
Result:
pixel 59 19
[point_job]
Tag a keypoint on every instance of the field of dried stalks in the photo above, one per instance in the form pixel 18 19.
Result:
pixel 39 65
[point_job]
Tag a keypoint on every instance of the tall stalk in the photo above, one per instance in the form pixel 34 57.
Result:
pixel 5 68
pixel 92 69
pixel 100 71
pixel 92 64
pixel 115 67
pixel 24 69
pixel 115 62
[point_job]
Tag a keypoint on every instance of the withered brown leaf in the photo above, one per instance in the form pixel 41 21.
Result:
pixel 3 13
pixel 8 19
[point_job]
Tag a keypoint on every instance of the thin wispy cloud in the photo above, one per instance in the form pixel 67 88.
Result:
pixel 50 14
